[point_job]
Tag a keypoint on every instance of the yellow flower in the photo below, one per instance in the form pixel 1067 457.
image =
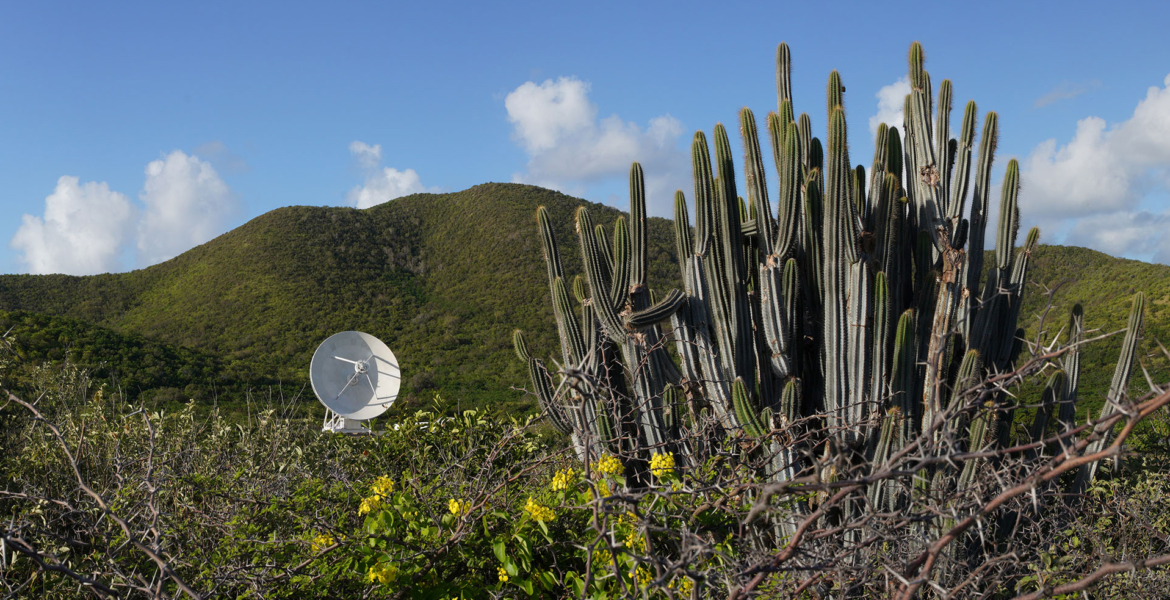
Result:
pixel 683 584
pixel 662 465
pixel 643 576
pixel 371 504
pixel 636 542
pixel 382 486
pixel 563 479
pixel 603 559
pixel 608 465
pixel 321 542
pixel 538 512
pixel 503 574
pixel 382 573
pixel 459 507
pixel 603 488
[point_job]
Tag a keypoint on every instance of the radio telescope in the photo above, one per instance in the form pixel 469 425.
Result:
pixel 356 377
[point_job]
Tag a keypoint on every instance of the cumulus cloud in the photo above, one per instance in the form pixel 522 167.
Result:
pixel 1139 233
pixel 88 228
pixel 1092 186
pixel 1066 90
pixel 186 203
pixel 367 156
pixel 83 232
pixel 891 99
pixel 382 184
pixel 569 148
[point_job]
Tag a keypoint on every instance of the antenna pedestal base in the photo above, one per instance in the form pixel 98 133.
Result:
pixel 335 423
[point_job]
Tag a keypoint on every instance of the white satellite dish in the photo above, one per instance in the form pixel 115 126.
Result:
pixel 356 377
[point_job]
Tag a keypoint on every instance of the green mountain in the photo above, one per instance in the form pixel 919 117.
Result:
pixel 443 279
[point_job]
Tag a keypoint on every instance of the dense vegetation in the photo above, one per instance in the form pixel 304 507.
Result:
pixel 442 278
pixel 479 507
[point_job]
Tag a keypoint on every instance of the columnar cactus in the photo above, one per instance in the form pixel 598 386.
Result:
pixel 858 310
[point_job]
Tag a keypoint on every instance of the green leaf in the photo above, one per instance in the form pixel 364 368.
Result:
pixel 498 548
pixel 526 584
pixel 510 567
pixel 576 583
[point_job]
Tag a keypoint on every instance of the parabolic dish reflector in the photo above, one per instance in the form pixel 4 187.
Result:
pixel 355 375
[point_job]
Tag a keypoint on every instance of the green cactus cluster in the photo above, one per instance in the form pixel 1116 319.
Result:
pixel 850 307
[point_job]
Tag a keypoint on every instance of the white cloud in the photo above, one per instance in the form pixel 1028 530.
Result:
pixel 84 230
pixel 382 184
pixel 186 204
pixel 1138 233
pixel 546 114
pixel 366 155
pixel 891 100
pixel 1093 185
pixel 88 228
pixel 385 185
pixel 1066 90
pixel 569 148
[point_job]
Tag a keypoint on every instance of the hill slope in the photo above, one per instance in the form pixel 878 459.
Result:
pixel 443 279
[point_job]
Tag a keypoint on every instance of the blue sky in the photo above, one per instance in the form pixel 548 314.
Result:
pixel 130 132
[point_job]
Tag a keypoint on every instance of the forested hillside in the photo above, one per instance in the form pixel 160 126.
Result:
pixel 443 279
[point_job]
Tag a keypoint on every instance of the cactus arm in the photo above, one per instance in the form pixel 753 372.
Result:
pixel 878 493
pixel 657 313
pixel 1048 400
pixel 520 345
pixel 745 412
pixel 1016 282
pixel 692 327
pixel 727 273
pixel 1117 389
pixel 757 185
pixel 962 172
pixel 783 74
pixel 882 340
pixel 877 176
pixel 859 336
pixel 786 151
pixel 942 152
pixel 966 378
pixel 545 395
pixel 552 255
pixel 637 225
pixel 976 440
pixel 592 257
pixel 978 220
pixel 846 279
pixel 567 322
pixel 806 138
pixel 619 285
pixel 996 304
pixel 925 176
pixel 1066 416
pixel 1009 218
pixel 552 260
pixel 607 434
pixel 904 372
